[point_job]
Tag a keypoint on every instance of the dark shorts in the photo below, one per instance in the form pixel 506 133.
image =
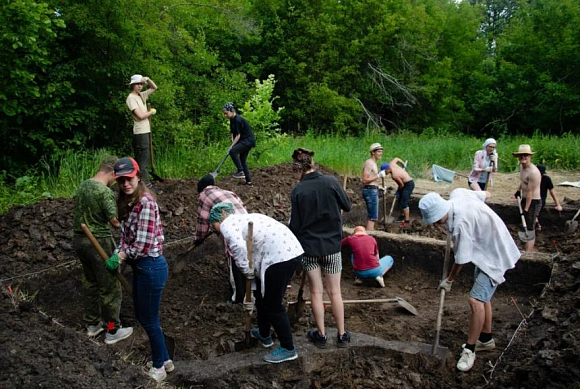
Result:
pixel 532 214
pixel 371 197
pixel 405 194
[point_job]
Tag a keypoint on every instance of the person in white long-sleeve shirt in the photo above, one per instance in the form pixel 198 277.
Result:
pixel 276 254
pixel 479 236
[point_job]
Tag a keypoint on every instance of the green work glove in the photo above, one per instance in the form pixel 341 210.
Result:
pixel 113 262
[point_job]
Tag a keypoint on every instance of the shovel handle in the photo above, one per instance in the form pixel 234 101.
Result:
pixel 250 249
pixel 522 212
pixel 389 300
pixel 575 216
pixel 104 255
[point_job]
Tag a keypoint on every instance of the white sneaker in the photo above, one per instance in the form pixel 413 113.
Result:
pixel 380 280
pixel 483 346
pixel 157 374
pixel 95 330
pixel 122 333
pixel 168 365
pixel 466 361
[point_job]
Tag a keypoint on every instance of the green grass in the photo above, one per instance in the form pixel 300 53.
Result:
pixel 60 176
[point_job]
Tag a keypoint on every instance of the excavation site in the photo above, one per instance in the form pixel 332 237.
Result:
pixel 536 312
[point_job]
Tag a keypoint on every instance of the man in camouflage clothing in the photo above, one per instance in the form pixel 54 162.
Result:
pixel 96 207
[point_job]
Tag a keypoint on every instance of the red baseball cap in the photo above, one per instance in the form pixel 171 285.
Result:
pixel 126 167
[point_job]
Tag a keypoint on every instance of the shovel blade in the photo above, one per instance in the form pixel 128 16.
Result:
pixel 526 236
pixel 170 343
pixel 405 305
pixel 248 342
pixel 571 226
pixel 295 311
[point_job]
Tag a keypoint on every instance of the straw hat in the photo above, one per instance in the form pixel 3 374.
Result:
pixel 375 146
pixel 524 150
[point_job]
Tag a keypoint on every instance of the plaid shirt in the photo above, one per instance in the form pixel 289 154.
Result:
pixel 142 232
pixel 209 197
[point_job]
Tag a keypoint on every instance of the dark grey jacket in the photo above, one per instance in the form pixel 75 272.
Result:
pixel 315 218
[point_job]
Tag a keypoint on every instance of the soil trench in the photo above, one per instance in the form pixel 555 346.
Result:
pixel 45 299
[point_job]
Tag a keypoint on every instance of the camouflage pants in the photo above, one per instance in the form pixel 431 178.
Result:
pixel 102 290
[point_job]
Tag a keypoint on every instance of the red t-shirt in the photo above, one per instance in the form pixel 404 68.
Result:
pixel 364 249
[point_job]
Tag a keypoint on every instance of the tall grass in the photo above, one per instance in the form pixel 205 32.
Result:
pixel 59 176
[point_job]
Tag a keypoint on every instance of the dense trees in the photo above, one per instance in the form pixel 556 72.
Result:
pixel 484 67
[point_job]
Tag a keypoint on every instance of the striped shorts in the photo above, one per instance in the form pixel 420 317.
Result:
pixel 330 264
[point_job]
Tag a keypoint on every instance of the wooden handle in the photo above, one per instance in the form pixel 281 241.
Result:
pixel 250 248
pixel 104 255
pixel 575 216
pixel 390 300
pixel 522 213
pixel 491 164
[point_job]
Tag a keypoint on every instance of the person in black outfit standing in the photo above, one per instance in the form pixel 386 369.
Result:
pixel 315 219
pixel 242 141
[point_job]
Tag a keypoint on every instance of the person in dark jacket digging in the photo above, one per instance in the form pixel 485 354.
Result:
pixel 242 142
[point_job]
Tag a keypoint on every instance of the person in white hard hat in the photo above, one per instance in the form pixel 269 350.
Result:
pixel 370 176
pixel 479 236
pixel 137 104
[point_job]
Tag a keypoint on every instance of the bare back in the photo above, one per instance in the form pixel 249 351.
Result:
pixel 398 173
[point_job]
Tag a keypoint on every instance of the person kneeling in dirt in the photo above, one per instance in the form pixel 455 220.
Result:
pixel 96 208
pixel 365 257
pixel 210 195
pixel 479 236
pixel 141 246
pixel 405 184
pixel 277 253
pixel 315 219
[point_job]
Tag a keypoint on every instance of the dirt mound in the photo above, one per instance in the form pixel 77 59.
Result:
pixel 40 352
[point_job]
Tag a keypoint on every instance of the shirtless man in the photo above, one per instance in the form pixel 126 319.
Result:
pixel 530 179
pixel 405 185
pixel 370 178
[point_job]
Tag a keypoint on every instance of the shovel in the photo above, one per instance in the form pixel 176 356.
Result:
pixel 390 219
pixel 249 341
pixel 572 225
pixel 296 308
pixel 401 302
pixel 436 350
pixel 151 151
pixel 523 233
pixel 217 170
pixel 169 341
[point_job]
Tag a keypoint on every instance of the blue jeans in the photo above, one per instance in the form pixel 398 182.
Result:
pixel 385 263
pixel 371 197
pixel 149 278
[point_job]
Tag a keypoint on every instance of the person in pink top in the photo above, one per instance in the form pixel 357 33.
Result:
pixel 365 257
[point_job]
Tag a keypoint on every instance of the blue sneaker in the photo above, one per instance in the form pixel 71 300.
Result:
pixel 281 355
pixel 266 342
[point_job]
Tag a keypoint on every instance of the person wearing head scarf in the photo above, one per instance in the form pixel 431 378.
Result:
pixel 276 254
pixel 315 219
pixel 141 246
pixel 242 142
pixel 484 162
pixel 479 236
pixel 210 195
pixel 137 104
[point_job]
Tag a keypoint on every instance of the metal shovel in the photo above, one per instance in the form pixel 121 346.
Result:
pixel 401 302
pixel 296 308
pixel 523 233
pixel 572 225
pixel 249 341
pixel 217 170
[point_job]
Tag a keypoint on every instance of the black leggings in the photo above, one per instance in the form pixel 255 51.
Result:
pixel 239 154
pixel 271 311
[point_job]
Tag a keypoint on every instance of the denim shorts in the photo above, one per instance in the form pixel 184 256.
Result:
pixel 371 197
pixel 405 194
pixel 483 287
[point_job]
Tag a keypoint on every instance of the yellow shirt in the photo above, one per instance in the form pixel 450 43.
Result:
pixel 139 102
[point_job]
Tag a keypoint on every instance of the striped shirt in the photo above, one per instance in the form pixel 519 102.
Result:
pixel 142 232
pixel 209 197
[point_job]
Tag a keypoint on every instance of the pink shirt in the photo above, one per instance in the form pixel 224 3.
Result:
pixel 364 250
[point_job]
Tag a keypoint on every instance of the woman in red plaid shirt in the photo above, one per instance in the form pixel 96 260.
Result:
pixel 142 247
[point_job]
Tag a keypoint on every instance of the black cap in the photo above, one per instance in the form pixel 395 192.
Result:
pixel 204 182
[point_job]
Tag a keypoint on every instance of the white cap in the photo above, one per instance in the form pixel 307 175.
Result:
pixel 375 146
pixel 489 141
pixel 433 207
pixel 136 79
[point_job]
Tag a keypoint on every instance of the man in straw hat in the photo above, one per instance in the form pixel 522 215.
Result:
pixel 530 180
pixel 370 178
pixel 479 236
